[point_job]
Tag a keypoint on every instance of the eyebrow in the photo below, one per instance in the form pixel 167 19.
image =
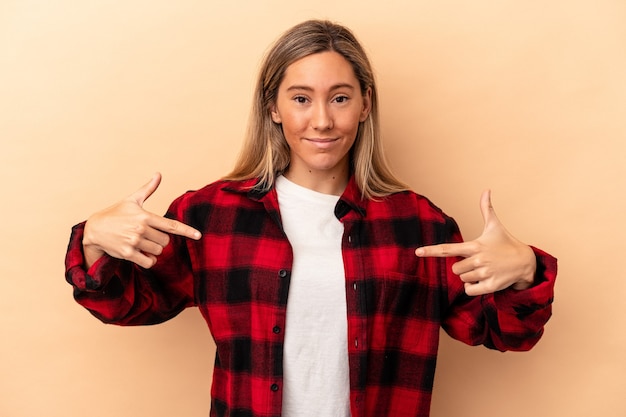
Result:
pixel 307 88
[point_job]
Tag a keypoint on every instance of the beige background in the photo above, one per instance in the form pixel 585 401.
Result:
pixel 525 97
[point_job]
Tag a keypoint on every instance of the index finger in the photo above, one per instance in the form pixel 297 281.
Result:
pixel 445 250
pixel 174 227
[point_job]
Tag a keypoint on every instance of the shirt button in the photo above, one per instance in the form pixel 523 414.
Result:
pixel 282 273
pixel 276 329
pixel 274 387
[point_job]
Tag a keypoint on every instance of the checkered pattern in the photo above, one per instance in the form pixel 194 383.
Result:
pixel 238 276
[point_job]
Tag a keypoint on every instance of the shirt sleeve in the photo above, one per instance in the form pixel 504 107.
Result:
pixel 121 292
pixel 506 320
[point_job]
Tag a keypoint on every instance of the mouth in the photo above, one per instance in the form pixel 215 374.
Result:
pixel 322 140
pixel 322 144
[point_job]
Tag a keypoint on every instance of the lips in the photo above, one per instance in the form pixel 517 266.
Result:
pixel 322 140
pixel 322 143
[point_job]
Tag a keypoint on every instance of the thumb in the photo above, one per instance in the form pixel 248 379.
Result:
pixel 486 208
pixel 143 193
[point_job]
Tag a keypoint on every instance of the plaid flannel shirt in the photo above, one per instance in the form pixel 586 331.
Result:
pixel 238 276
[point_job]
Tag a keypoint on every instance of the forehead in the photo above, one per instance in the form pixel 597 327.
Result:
pixel 320 70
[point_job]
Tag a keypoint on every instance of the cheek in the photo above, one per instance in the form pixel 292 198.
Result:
pixel 349 123
pixel 294 123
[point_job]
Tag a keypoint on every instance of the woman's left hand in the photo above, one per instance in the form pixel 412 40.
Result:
pixel 494 261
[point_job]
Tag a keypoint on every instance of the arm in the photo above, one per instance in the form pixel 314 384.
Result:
pixel 112 262
pixel 500 290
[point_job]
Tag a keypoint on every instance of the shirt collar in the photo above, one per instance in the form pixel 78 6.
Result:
pixel 245 187
pixel 350 200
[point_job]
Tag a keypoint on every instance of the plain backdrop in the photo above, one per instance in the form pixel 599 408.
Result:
pixel 527 98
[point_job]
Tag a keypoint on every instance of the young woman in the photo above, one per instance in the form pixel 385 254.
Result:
pixel 323 280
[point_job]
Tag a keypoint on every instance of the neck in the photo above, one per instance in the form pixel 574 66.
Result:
pixel 323 182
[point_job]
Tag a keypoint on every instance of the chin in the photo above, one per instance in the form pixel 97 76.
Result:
pixel 324 166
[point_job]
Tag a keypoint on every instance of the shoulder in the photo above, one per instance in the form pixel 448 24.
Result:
pixel 223 193
pixel 410 219
pixel 407 204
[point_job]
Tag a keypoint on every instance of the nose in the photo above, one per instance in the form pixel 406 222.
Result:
pixel 321 118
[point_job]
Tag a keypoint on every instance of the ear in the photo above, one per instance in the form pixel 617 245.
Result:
pixel 367 105
pixel 274 113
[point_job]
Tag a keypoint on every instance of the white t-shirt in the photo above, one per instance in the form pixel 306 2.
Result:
pixel 316 374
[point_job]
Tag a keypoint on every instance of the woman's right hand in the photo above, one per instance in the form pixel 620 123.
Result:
pixel 127 231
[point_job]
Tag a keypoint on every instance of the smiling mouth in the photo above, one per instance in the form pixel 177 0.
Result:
pixel 322 140
pixel 322 144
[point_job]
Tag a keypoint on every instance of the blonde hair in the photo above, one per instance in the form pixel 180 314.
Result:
pixel 265 153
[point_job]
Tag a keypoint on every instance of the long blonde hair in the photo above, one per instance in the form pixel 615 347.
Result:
pixel 265 153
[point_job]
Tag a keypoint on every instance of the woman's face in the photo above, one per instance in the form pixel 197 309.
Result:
pixel 319 105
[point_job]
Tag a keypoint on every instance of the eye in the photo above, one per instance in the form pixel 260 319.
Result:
pixel 300 99
pixel 341 99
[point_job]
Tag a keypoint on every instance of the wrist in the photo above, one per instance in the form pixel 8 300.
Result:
pixel 528 277
pixel 524 283
pixel 91 251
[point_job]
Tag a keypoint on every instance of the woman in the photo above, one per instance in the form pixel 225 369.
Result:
pixel 303 259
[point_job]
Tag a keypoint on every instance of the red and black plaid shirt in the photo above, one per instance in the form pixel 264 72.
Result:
pixel 238 276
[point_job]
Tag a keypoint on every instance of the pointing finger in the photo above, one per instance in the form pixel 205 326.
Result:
pixel 174 227
pixel 445 250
